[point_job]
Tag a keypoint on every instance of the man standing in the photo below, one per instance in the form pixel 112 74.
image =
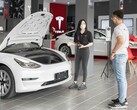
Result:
pixel 119 56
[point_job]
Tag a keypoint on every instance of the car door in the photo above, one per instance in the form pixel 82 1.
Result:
pixel 100 44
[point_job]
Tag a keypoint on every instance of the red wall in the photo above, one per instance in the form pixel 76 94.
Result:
pixel 58 10
pixel 6 10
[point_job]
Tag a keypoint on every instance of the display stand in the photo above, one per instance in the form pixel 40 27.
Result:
pixel 108 65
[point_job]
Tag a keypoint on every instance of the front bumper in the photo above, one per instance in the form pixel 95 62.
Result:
pixel 44 77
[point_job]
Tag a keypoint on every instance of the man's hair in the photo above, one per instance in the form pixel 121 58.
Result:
pixel 119 14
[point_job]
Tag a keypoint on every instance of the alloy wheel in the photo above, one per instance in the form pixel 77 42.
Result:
pixel 65 49
pixel 5 83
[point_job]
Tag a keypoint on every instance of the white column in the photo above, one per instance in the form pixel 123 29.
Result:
pixel 27 8
pixel 46 6
pixel 85 10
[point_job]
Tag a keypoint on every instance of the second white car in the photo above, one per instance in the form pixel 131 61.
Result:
pixel 99 38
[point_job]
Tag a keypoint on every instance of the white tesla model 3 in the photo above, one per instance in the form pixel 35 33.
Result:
pixel 25 65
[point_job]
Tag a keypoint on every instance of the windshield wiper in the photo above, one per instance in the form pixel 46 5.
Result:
pixel 8 47
pixel 35 43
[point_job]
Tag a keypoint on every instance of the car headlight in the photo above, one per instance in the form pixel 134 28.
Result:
pixel 26 64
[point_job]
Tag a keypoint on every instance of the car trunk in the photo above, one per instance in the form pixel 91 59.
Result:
pixel 43 56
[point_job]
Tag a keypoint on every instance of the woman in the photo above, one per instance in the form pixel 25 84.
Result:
pixel 82 40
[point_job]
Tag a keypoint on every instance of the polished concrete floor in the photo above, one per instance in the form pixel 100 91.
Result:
pixel 99 92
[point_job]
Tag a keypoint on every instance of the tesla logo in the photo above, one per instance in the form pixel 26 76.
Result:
pixel 59 19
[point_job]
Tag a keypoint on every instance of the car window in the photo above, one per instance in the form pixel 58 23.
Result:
pixel 71 34
pixel 98 35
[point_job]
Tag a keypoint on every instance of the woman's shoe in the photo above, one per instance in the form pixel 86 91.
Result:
pixel 82 87
pixel 73 86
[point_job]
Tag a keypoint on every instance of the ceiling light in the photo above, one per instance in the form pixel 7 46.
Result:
pixel 68 3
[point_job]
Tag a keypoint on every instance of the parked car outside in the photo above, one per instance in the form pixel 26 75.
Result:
pixel 25 65
pixel 100 43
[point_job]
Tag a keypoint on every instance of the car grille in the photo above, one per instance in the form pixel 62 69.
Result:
pixel 57 78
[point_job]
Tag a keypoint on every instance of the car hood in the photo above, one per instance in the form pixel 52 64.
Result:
pixel 32 29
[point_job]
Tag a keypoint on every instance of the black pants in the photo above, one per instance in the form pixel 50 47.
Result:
pixel 82 55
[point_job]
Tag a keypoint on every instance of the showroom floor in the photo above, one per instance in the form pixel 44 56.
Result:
pixel 99 92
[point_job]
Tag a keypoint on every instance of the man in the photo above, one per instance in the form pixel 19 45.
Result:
pixel 119 56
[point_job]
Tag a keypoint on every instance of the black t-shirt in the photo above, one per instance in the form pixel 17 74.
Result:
pixel 84 38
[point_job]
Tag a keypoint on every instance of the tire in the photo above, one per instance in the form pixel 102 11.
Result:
pixel 65 49
pixel 7 82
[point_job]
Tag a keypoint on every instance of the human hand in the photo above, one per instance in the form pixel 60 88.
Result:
pixel 81 46
pixel 112 56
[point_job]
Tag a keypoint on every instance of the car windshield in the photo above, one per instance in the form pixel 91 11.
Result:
pixel 101 30
pixel 98 35
pixel 21 47
pixel 71 34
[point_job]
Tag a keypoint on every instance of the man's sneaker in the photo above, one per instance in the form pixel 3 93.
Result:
pixel 73 86
pixel 117 105
pixel 117 100
pixel 83 86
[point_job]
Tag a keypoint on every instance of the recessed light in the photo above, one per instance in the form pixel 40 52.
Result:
pixel 68 3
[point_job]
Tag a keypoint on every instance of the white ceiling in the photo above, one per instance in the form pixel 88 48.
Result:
pixel 71 1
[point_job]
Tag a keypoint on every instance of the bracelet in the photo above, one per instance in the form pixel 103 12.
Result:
pixel 113 52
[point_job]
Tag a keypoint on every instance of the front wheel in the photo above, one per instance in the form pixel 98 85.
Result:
pixel 7 83
pixel 65 49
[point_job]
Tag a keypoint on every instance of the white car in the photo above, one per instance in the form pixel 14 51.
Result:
pixel 100 44
pixel 25 65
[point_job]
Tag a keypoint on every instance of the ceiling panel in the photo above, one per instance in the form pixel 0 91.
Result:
pixel 71 1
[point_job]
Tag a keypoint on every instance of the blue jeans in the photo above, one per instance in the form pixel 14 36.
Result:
pixel 119 66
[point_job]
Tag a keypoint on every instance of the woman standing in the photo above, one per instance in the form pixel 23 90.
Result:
pixel 82 40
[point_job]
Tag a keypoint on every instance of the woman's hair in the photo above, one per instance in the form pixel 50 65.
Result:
pixel 79 23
